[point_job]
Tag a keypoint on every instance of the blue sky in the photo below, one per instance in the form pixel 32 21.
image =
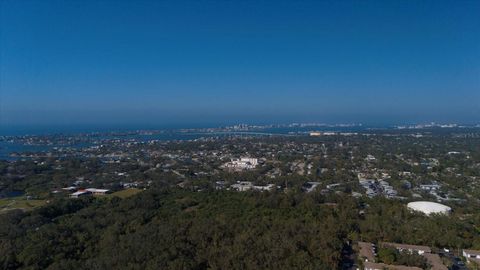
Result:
pixel 166 62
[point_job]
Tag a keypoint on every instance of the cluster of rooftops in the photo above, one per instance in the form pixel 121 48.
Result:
pixel 367 253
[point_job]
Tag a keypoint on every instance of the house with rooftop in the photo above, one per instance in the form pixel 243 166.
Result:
pixel 382 266
pixel 366 251
pixel 434 261
pixel 471 255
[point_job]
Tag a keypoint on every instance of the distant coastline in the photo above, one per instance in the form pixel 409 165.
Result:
pixel 37 130
pixel 20 142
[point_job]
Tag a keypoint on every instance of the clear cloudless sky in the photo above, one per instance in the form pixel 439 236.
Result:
pixel 81 62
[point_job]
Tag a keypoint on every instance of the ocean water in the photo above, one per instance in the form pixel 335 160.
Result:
pixel 7 147
pixel 169 134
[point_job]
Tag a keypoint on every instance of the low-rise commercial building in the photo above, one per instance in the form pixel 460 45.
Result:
pixel 97 191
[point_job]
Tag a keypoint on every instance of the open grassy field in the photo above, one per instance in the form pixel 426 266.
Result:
pixel 26 205
pixel 126 193
pixel 20 203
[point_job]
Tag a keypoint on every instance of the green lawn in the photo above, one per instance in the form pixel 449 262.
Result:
pixel 126 193
pixel 24 204
pixel 19 203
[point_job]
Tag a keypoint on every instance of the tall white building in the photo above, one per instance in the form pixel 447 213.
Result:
pixel 243 163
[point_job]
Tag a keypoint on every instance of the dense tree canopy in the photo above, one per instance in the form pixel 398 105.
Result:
pixel 180 229
pixel 174 230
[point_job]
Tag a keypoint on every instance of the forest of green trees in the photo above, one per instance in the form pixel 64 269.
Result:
pixel 179 229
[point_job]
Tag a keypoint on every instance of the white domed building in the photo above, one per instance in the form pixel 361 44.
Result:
pixel 429 208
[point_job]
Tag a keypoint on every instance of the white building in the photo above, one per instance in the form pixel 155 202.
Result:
pixel 246 185
pixel 430 187
pixel 242 186
pixel 80 193
pixel 268 187
pixel 97 191
pixel 242 163
pixel 429 208
pixel 252 161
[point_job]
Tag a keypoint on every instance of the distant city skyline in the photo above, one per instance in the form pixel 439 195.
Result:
pixel 157 63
